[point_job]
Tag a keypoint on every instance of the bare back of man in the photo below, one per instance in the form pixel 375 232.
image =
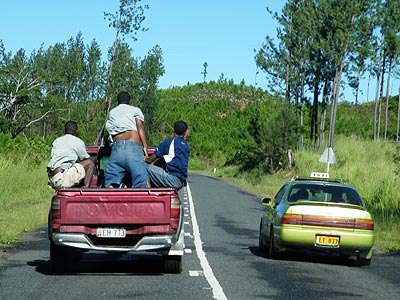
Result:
pixel 137 136
pixel 130 135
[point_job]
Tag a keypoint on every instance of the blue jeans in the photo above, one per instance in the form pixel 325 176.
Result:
pixel 126 158
pixel 160 178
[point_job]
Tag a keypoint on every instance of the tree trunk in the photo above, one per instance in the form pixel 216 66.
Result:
pixel 387 98
pixel 301 139
pixel 398 117
pixel 314 116
pixel 358 85
pixel 335 98
pixel 100 136
pixel 323 113
pixel 377 100
pixel 382 79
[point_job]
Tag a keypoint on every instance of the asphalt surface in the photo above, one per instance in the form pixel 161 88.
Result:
pixel 222 261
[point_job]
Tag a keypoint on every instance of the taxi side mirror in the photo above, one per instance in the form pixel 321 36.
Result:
pixel 266 201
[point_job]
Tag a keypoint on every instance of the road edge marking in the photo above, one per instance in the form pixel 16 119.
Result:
pixel 218 293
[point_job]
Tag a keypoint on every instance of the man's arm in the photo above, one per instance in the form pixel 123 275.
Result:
pixel 142 135
pixel 151 158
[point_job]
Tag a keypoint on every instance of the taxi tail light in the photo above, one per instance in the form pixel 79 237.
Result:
pixel 56 213
pixel 364 224
pixel 292 219
pixel 175 211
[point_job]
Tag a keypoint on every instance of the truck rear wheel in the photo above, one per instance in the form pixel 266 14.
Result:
pixel 173 264
pixel 56 258
pixel 63 258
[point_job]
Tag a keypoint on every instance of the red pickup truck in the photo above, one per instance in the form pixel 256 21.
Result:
pixel 117 221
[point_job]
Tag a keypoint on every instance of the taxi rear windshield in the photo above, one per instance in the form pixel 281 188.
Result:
pixel 324 193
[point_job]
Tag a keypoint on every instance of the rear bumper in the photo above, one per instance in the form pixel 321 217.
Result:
pixel 171 244
pixel 164 244
pixel 350 241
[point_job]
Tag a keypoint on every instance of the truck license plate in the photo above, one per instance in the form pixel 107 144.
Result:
pixel 111 232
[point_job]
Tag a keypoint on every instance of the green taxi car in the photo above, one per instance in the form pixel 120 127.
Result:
pixel 317 213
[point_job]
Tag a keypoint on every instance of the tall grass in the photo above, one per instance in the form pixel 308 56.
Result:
pixel 24 198
pixel 367 165
pixel 24 194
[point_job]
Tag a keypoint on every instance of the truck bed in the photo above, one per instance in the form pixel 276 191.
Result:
pixel 115 220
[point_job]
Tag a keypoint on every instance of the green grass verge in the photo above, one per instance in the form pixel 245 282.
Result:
pixel 24 200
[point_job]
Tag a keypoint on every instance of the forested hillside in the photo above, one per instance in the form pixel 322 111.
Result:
pixel 229 124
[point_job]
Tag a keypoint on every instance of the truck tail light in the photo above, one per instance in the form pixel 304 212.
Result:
pixel 175 211
pixel 56 213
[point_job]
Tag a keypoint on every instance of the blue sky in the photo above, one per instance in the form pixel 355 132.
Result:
pixel 223 33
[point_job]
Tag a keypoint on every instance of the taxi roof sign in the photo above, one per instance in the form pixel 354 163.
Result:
pixel 319 175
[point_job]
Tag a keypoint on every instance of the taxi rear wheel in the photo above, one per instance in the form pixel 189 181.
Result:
pixel 361 261
pixel 261 245
pixel 272 253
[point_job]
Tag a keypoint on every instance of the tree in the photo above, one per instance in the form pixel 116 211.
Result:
pixel 315 39
pixel 151 69
pixel 19 92
pixel 270 136
pixel 127 21
pixel 205 65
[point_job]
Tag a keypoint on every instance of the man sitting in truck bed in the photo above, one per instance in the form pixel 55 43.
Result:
pixel 175 151
pixel 69 163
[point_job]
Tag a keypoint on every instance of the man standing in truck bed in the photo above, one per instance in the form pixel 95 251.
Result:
pixel 69 163
pixel 175 151
pixel 125 126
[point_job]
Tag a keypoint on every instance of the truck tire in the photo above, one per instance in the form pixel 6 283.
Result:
pixel 63 258
pixel 56 258
pixel 173 264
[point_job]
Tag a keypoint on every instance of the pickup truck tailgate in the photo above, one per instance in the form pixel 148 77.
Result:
pixel 115 206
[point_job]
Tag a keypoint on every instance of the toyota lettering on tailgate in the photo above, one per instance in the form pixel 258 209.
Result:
pixel 95 210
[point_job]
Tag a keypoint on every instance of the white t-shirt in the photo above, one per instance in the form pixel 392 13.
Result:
pixel 67 150
pixel 123 118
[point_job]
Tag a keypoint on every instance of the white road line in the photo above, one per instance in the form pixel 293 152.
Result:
pixel 218 293
pixel 188 234
pixel 195 273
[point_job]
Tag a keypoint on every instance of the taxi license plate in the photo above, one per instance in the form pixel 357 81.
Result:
pixel 327 241
pixel 111 232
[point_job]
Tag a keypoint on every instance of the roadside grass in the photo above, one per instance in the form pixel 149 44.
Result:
pixel 24 198
pixel 367 165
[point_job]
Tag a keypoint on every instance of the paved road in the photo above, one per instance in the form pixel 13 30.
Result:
pixel 221 262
